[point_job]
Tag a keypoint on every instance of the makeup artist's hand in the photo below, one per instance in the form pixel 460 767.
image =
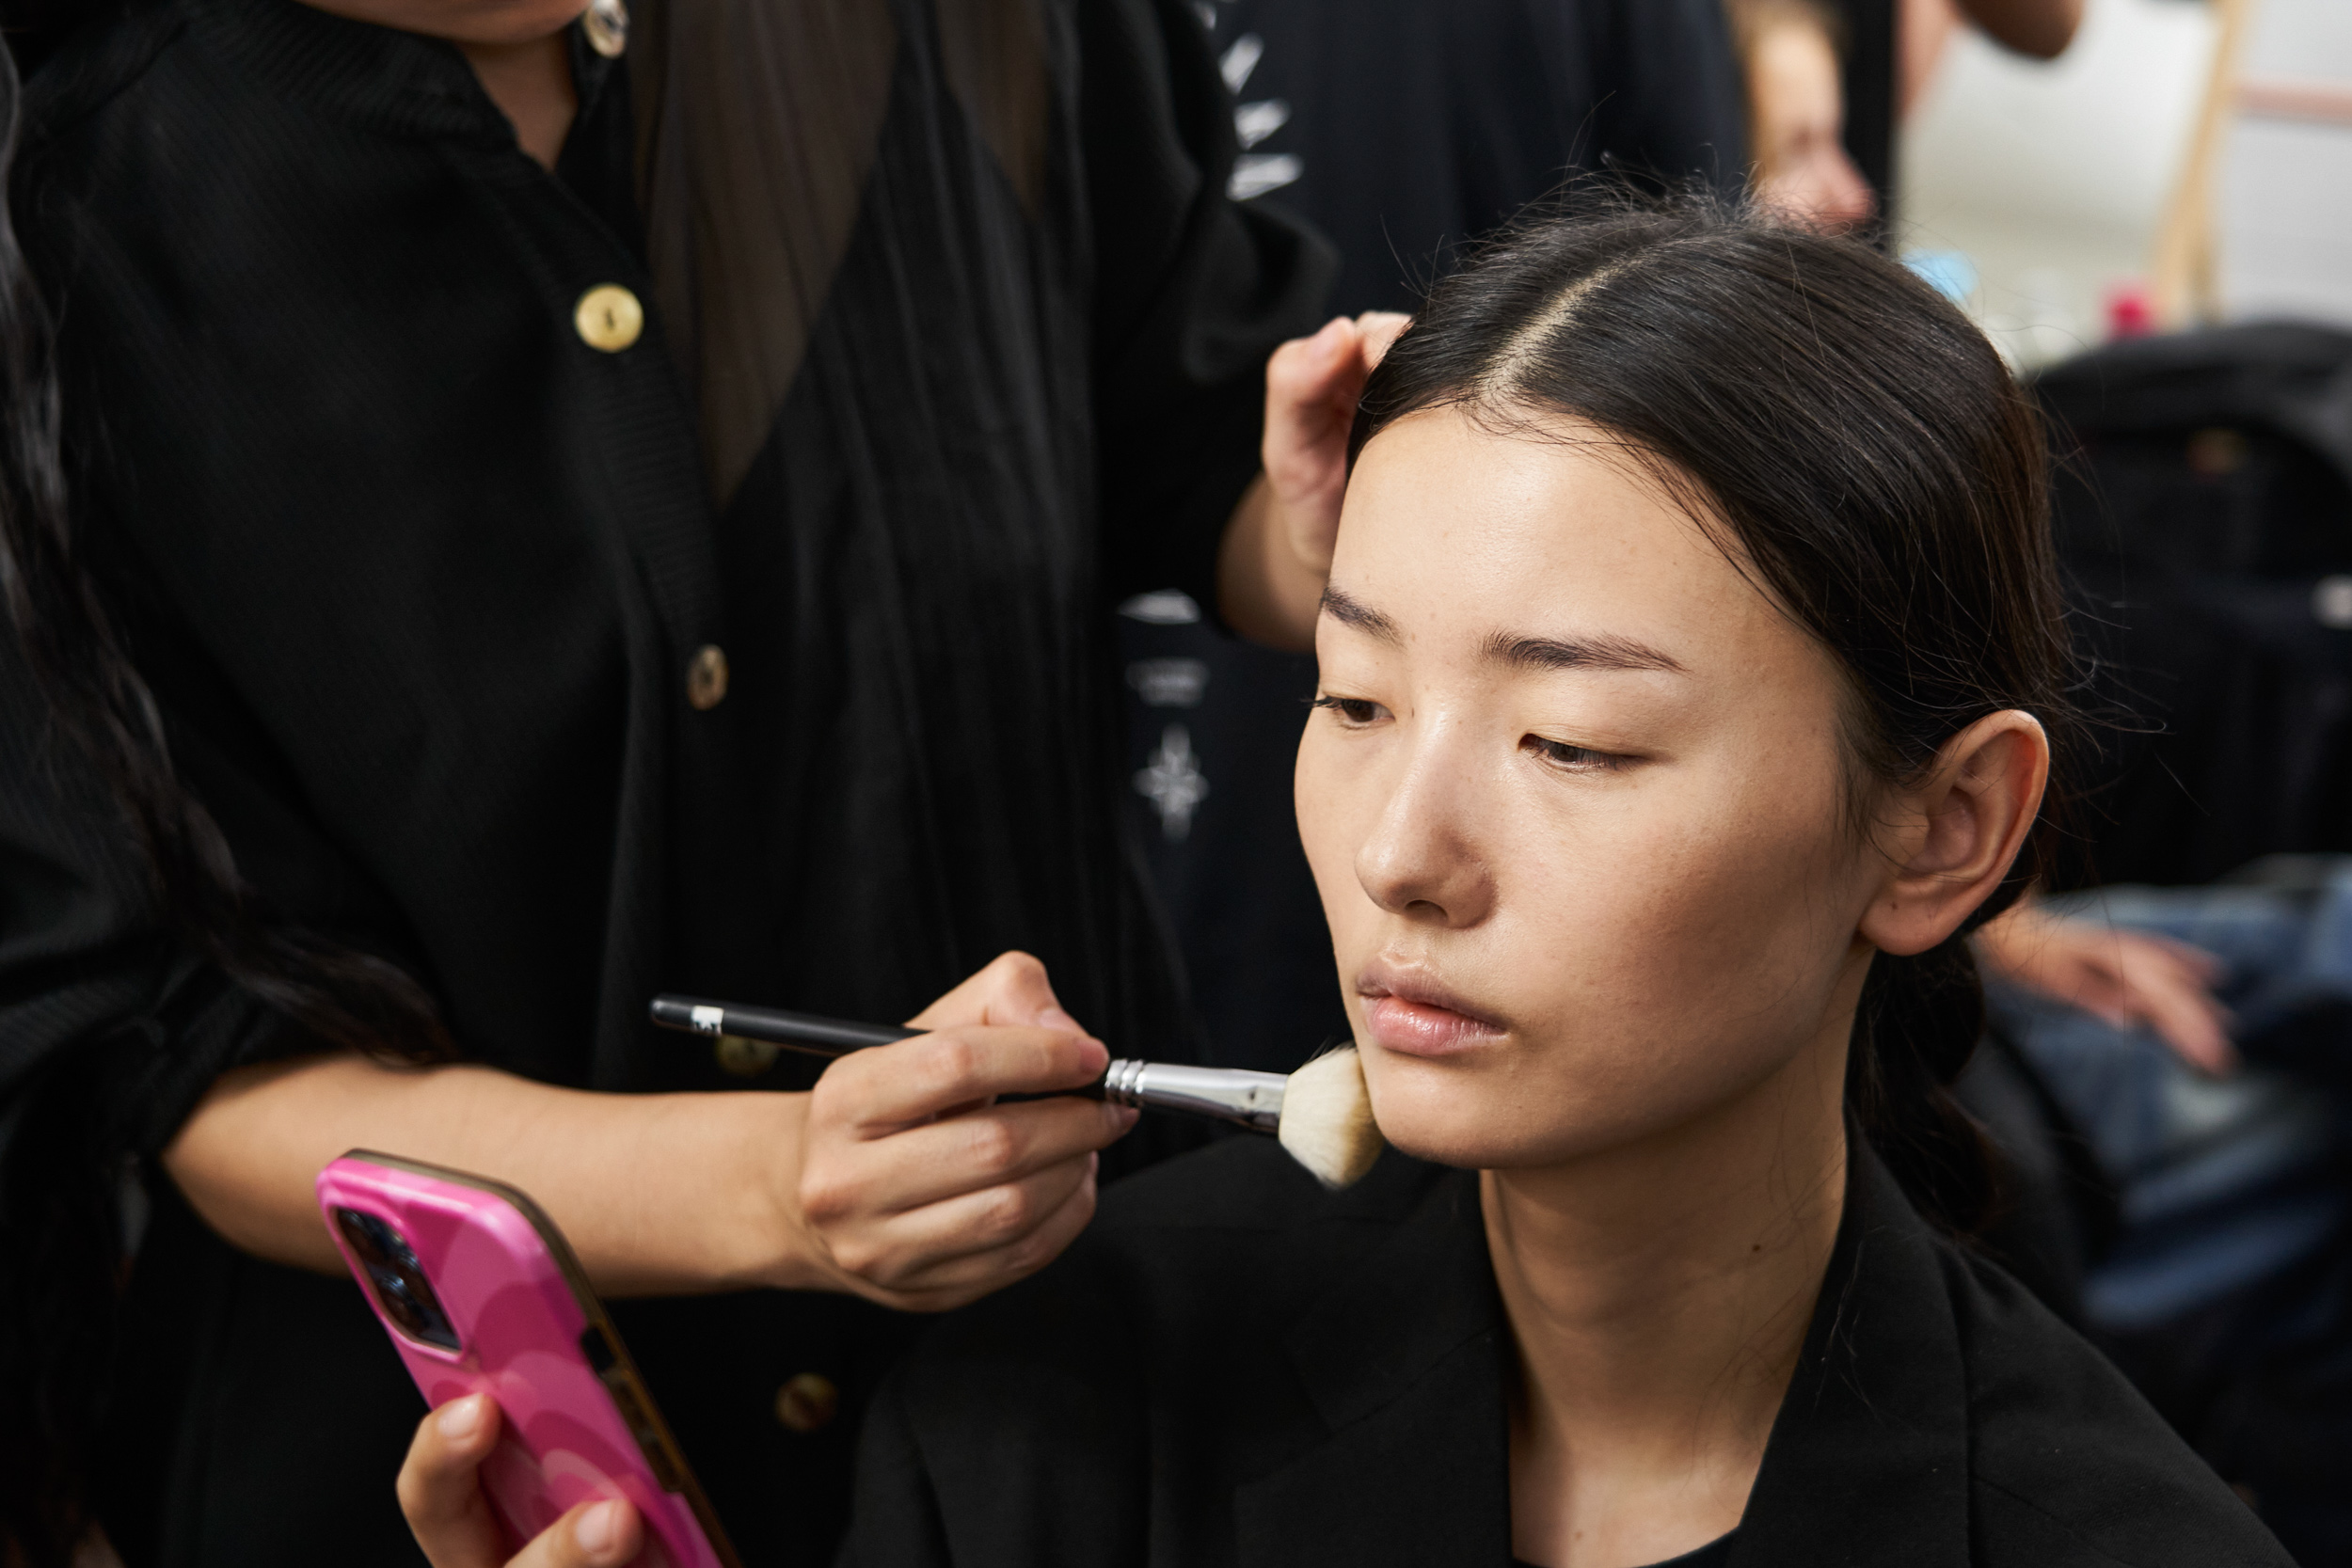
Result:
pixel 441 1492
pixel 897 1179
pixel 916 1189
pixel 1311 388
pixel 1277 549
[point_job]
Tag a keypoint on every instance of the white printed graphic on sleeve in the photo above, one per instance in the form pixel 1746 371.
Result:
pixel 1254 173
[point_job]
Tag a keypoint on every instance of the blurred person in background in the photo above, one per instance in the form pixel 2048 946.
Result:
pixel 1889 51
pixel 2224 1286
pixel 1796 114
pixel 567 506
pixel 1400 130
pixel 2205 518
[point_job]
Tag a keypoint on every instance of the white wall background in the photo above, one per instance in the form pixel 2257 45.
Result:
pixel 2285 202
pixel 2052 179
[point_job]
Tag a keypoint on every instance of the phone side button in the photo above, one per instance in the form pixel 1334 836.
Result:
pixel 598 1349
pixel 649 1441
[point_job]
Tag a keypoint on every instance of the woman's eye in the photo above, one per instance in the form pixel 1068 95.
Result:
pixel 1353 710
pixel 1561 755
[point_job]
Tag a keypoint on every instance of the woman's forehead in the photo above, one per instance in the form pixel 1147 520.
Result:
pixel 1499 540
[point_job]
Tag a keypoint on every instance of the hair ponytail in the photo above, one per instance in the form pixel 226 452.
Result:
pixel 1917 1026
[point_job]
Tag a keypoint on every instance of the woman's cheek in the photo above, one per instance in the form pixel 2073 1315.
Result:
pixel 1327 829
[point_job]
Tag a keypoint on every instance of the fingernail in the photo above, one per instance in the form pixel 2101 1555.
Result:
pixel 460 1420
pixel 599 1528
pixel 1054 1018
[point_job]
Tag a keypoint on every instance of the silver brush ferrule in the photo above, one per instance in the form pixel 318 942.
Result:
pixel 1252 1100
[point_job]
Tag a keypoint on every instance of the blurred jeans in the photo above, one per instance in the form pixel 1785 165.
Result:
pixel 2225 1182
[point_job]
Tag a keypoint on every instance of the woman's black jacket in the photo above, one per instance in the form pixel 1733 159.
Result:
pixel 426 582
pixel 1235 1368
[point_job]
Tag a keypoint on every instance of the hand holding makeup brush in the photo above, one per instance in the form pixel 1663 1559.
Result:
pixel 897 1179
pixel 920 1191
pixel 1322 1113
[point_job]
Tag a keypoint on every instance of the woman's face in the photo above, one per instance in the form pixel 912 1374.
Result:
pixel 1574 799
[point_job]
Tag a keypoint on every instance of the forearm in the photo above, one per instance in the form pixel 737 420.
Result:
pixel 2042 29
pixel 1266 590
pixel 658 1194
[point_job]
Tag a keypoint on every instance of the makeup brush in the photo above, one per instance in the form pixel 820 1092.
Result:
pixel 1320 1114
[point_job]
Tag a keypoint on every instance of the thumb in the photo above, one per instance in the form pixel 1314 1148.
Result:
pixel 602 1534
pixel 1378 331
pixel 1303 370
pixel 1311 388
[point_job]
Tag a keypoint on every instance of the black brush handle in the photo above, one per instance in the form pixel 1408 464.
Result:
pixel 802 1032
pixel 819 1037
pixel 1251 1099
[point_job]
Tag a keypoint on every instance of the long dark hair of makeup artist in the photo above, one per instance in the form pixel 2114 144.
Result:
pixel 1855 441
pixel 61 1237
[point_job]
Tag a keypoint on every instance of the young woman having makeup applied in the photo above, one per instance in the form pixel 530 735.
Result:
pixel 1690 671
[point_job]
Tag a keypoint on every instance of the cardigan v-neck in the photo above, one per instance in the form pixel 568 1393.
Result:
pixel 1715 1554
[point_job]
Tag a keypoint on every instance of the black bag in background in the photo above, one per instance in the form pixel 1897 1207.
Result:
pixel 2205 518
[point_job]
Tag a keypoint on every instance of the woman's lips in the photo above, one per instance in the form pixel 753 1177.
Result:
pixel 1421 1020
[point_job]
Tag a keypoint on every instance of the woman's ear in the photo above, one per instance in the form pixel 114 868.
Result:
pixel 1951 838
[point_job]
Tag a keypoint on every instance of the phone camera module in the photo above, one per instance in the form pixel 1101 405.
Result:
pixel 397 1278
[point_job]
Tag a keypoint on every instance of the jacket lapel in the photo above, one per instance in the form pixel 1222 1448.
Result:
pixel 1868 1457
pixel 1404 1361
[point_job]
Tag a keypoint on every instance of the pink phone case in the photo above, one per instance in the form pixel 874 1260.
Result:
pixel 503 1308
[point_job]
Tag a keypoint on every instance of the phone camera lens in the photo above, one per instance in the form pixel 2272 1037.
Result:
pixel 397 1278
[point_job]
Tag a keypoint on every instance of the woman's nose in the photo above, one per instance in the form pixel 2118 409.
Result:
pixel 1422 860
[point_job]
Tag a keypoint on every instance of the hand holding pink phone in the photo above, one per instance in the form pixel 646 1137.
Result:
pixel 480 1295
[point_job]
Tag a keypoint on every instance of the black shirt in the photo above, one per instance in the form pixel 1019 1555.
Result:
pixel 1402 130
pixel 1233 1366
pixel 423 578
pixel 1867 79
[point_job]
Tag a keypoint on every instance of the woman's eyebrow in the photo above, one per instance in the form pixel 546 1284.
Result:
pixel 1354 612
pixel 1581 653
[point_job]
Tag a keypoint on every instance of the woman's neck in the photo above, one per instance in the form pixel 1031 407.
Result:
pixel 532 82
pixel 1659 1296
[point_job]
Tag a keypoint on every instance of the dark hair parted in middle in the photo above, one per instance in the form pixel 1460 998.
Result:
pixel 1855 445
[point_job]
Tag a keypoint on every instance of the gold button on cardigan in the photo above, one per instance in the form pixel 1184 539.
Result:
pixel 706 676
pixel 609 317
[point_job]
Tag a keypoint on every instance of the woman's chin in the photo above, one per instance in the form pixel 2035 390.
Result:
pixel 1468 1113
pixel 1448 1118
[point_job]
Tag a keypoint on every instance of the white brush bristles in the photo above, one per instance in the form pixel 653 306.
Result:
pixel 1327 1119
